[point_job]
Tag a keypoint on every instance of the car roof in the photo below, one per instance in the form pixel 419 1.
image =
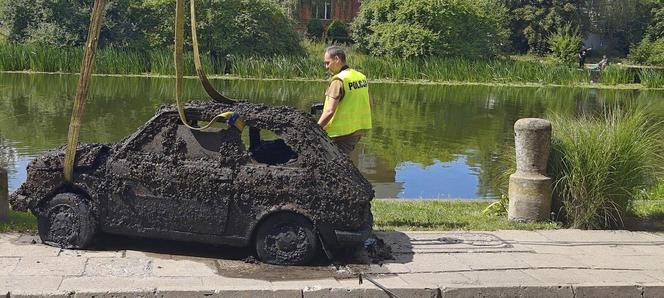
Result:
pixel 298 128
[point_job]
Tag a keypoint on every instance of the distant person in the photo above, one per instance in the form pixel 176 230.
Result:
pixel 582 56
pixel 603 63
pixel 347 109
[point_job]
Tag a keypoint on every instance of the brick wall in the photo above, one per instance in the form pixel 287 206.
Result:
pixel 344 10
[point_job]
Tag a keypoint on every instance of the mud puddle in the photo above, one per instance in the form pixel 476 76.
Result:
pixel 235 262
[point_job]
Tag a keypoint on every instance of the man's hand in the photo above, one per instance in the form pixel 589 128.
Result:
pixel 328 112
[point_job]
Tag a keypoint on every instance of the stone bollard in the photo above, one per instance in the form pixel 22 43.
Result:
pixel 4 195
pixel 530 188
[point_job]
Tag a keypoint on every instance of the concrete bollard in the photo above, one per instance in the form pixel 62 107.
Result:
pixel 4 195
pixel 530 188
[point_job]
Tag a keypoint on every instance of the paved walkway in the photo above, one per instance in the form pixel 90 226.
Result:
pixel 561 263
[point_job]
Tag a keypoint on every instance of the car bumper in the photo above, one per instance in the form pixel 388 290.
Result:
pixel 349 238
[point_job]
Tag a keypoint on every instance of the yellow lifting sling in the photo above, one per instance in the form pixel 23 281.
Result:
pixel 86 70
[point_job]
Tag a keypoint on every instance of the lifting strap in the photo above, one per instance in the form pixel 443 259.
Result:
pixel 86 70
pixel 209 89
pixel 179 46
pixel 83 87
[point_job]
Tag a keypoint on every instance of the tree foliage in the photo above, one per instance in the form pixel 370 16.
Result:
pixel 224 26
pixel 533 21
pixel 621 23
pixel 565 43
pixel 650 50
pixel 338 31
pixel 414 28
pixel 315 29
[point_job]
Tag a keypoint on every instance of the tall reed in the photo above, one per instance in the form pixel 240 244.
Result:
pixel 652 78
pixel 438 69
pixel 615 75
pixel 600 164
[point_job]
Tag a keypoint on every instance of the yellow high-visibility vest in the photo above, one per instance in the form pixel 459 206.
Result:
pixel 353 112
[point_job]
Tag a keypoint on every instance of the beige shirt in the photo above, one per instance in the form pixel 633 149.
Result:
pixel 335 90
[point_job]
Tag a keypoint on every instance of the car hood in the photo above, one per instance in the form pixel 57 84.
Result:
pixel 86 156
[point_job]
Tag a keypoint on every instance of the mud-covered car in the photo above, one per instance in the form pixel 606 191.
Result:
pixel 288 197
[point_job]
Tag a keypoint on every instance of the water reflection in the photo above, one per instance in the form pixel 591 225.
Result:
pixel 428 141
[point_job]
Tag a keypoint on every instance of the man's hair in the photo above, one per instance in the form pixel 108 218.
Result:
pixel 336 51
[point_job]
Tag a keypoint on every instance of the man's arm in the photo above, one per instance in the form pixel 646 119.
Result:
pixel 328 112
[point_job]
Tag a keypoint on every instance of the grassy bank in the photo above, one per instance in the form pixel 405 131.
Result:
pixel 23 222
pixel 434 69
pixel 423 215
pixel 437 215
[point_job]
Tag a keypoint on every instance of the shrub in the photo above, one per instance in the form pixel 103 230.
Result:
pixel 315 29
pixel 565 43
pixel 413 28
pixel 600 164
pixel 648 52
pixel 337 31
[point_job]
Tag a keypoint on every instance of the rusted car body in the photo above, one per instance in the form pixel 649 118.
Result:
pixel 170 182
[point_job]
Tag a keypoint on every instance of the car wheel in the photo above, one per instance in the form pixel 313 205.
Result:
pixel 286 239
pixel 66 221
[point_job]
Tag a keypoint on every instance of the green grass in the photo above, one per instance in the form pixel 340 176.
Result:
pixel 19 222
pixel 423 215
pixel 648 209
pixel 656 192
pixel 437 215
pixel 600 164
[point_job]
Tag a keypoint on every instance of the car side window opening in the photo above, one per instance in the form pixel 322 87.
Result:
pixel 266 147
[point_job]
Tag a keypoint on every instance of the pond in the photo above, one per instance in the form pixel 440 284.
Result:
pixel 428 141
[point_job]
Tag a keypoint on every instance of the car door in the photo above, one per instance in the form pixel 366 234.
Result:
pixel 175 180
pixel 266 184
pixel 204 178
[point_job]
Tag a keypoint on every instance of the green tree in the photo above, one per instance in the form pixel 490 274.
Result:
pixel 564 44
pixel 65 23
pixel 414 28
pixel 650 50
pixel 533 21
pixel 225 26
pixel 621 23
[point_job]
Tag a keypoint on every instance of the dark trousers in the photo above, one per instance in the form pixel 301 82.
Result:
pixel 347 143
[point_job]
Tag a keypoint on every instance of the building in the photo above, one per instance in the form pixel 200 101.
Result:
pixel 303 11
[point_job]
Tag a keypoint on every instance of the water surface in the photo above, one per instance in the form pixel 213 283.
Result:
pixel 428 141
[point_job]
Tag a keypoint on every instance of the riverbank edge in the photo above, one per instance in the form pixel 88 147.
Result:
pixel 376 81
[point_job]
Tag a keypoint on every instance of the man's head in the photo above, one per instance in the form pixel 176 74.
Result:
pixel 334 58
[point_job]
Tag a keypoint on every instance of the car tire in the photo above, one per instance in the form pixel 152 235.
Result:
pixel 66 221
pixel 286 239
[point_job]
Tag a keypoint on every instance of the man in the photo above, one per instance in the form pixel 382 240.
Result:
pixel 603 63
pixel 582 56
pixel 347 109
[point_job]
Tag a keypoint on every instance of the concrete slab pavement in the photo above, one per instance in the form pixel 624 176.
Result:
pixel 561 263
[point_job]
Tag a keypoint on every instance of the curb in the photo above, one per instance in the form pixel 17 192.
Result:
pixel 571 291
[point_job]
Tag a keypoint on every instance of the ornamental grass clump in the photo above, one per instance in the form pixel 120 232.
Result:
pixel 600 164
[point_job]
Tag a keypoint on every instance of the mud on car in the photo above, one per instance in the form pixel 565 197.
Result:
pixel 288 198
